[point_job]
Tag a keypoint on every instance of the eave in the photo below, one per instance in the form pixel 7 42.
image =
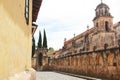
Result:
pixel 35 9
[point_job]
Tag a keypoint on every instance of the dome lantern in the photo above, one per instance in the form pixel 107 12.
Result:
pixel 102 10
pixel 103 20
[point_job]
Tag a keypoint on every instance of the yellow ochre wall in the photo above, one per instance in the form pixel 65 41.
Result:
pixel 15 38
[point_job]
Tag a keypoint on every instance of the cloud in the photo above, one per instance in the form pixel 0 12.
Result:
pixel 63 18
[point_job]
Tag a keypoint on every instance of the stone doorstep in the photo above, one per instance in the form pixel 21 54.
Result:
pixel 29 74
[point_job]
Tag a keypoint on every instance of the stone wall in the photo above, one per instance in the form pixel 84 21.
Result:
pixel 100 63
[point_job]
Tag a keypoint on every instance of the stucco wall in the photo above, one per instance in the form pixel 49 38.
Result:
pixel 15 38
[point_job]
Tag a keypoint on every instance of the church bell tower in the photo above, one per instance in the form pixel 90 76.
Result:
pixel 103 21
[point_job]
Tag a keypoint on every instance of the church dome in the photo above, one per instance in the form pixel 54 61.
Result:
pixel 102 10
pixel 102 5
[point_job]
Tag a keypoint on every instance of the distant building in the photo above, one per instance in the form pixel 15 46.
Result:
pixel 103 34
pixel 17 28
pixel 57 53
pixel 95 52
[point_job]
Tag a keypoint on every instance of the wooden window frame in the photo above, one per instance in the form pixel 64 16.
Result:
pixel 27 11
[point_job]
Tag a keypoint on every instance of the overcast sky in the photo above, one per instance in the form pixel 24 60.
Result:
pixel 63 18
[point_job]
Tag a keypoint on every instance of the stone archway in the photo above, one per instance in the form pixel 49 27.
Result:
pixel 40 60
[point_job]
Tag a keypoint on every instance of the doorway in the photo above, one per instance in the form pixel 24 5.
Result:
pixel 40 56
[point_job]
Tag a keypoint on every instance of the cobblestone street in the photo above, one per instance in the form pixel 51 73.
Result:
pixel 55 76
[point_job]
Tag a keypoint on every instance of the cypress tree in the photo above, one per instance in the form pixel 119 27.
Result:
pixel 40 40
pixel 33 46
pixel 44 40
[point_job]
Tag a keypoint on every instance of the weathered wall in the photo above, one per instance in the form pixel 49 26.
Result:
pixel 101 24
pixel 99 40
pixel 40 59
pixel 102 63
pixel 15 38
pixel 117 29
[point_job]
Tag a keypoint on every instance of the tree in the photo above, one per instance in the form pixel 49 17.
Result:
pixel 51 49
pixel 44 40
pixel 40 40
pixel 33 46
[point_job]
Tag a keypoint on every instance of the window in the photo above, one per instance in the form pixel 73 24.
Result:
pixel 86 38
pixel 96 24
pixel 106 26
pixel 27 11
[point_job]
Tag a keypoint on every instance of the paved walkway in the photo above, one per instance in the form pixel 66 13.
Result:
pixel 55 76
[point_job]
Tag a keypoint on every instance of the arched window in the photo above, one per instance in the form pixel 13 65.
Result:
pixel 96 24
pixel 106 26
pixel 106 12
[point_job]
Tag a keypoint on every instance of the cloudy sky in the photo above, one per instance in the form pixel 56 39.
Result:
pixel 63 18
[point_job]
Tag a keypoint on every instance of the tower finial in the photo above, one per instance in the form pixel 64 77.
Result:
pixel 101 1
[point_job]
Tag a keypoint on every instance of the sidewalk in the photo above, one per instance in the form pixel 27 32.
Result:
pixel 55 76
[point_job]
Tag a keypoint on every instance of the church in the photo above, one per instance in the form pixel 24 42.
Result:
pixel 95 52
pixel 103 34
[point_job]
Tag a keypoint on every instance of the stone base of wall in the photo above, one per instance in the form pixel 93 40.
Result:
pixel 29 74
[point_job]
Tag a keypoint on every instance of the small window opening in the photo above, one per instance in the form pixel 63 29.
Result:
pixel 106 26
pixel 27 11
pixel 96 24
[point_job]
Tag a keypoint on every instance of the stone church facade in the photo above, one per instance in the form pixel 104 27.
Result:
pixel 95 52
pixel 40 59
pixel 104 33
